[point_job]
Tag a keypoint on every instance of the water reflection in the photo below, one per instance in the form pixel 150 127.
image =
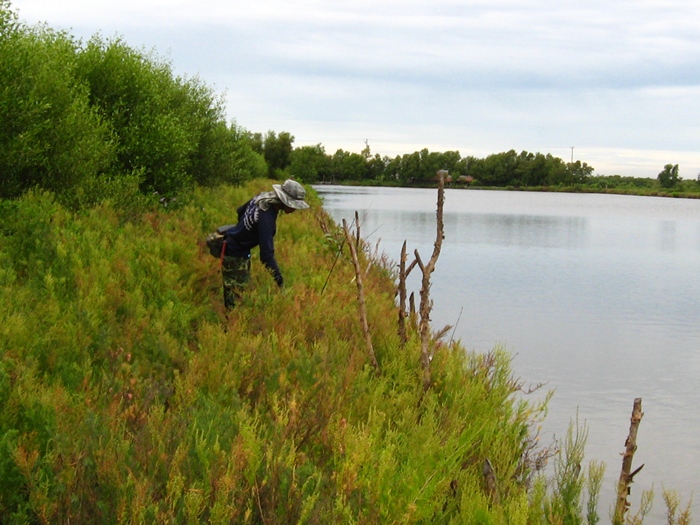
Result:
pixel 395 226
pixel 516 230
pixel 667 236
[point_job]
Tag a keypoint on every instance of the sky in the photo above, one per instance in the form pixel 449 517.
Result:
pixel 615 84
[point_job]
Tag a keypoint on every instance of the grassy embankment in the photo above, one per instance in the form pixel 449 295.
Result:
pixel 124 400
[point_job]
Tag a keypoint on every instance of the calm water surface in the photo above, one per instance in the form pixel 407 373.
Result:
pixel 595 295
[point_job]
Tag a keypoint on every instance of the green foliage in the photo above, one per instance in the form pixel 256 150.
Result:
pixel 603 182
pixel 94 121
pixel 668 178
pixel 419 168
pixel 124 400
pixel 309 164
pixel 527 169
pixel 91 121
pixel 126 395
pixel 226 156
pixel 560 502
pixel 565 507
pixel 123 191
pixel 49 134
pixel 596 471
pixel 277 150
pixel 8 18
pixel 347 166
pixel 673 514
pixel 158 120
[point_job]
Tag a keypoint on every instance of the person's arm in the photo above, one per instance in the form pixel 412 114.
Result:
pixel 267 228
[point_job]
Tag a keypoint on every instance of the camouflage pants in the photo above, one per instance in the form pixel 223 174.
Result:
pixel 236 274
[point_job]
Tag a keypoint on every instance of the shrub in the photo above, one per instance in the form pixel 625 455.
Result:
pixel 127 395
pixel 50 136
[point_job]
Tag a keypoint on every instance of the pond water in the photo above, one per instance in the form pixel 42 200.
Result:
pixel 595 295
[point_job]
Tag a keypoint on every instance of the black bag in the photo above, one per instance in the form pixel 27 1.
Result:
pixel 216 240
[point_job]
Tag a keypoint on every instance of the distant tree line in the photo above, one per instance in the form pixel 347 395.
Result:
pixel 510 168
pixel 507 169
pixel 100 119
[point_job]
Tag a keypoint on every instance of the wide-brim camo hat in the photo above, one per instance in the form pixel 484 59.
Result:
pixel 292 194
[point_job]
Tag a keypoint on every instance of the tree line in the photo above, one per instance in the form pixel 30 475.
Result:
pixel 100 119
pixel 508 169
pixel 500 169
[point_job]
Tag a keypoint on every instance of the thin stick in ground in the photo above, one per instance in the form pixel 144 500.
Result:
pixel 404 272
pixel 353 242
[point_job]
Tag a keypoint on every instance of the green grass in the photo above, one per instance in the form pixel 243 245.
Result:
pixel 127 396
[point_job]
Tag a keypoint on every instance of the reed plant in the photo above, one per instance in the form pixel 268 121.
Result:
pixel 127 395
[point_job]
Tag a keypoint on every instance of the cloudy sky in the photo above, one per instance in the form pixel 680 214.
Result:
pixel 619 81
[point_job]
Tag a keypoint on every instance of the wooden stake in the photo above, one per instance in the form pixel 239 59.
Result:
pixel 626 476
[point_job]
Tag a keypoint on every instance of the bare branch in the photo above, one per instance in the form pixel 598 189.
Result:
pixel 419 261
pixel 411 267
pixel 459 317
pixel 352 243
pixel 442 333
pixel 426 304
pixel 402 296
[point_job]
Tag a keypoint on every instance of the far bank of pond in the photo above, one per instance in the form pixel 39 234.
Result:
pixel 687 191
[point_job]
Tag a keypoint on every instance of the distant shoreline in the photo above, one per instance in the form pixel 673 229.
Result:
pixel 579 188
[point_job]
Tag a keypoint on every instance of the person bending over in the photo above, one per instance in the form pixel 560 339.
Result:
pixel 257 225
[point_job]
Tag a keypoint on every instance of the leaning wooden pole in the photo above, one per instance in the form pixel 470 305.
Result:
pixel 626 474
pixel 360 292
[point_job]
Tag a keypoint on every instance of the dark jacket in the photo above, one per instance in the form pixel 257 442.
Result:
pixel 255 227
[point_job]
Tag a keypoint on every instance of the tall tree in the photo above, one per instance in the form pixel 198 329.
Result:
pixel 668 178
pixel 309 164
pixel 347 166
pixel 277 151
pixel 50 136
